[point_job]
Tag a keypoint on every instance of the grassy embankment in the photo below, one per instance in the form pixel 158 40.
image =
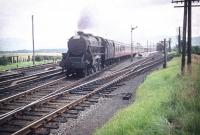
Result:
pixel 21 64
pixel 166 103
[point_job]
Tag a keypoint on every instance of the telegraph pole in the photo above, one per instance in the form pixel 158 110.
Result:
pixel 189 60
pixel 33 40
pixel 186 22
pixel 184 38
pixel 179 40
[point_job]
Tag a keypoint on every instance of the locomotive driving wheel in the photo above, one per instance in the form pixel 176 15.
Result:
pixel 83 72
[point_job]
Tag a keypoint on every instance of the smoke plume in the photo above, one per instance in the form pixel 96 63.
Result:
pixel 86 20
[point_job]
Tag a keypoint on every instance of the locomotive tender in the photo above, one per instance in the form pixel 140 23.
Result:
pixel 88 53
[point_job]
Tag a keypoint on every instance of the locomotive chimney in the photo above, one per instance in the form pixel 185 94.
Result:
pixel 80 33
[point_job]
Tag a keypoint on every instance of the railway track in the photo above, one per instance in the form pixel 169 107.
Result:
pixel 7 76
pixel 36 67
pixel 13 102
pixel 25 78
pixel 19 72
pixel 47 112
pixel 13 86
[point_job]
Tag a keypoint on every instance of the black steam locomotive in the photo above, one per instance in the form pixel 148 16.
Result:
pixel 88 53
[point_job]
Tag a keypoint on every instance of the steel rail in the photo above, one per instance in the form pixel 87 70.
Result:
pixel 12 98
pixel 25 77
pixel 36 67
pixel 29 80
pixel 59 92
pixel 31 91
pixel 7 76
pixel 21 71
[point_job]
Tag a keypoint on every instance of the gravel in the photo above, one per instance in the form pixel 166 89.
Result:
pixel 98 114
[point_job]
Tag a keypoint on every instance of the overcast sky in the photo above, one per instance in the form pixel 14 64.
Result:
pixel 57 20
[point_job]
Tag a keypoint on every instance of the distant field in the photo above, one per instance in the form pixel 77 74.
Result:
pixel 22 64
pixel 27 54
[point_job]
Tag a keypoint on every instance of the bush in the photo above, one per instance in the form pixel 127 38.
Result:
pixel 45 57
pixel 196 49
pixel 5 60
pixel 38 58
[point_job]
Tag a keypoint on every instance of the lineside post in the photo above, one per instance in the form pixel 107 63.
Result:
pixel 165 55
pixel 33 40
pixel 132 28
pixel 170 49
pixel 131 43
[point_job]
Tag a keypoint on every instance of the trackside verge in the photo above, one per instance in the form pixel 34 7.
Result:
pixel 165 103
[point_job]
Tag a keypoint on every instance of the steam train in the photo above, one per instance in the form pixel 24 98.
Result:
pixel 87 54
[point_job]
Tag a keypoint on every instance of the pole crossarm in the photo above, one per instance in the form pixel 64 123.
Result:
pixel 132 28
pixel 182 1
pixel 194 3
pixel 187 6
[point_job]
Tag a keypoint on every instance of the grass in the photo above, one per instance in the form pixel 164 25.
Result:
pixel 165 104
pixel 21 64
